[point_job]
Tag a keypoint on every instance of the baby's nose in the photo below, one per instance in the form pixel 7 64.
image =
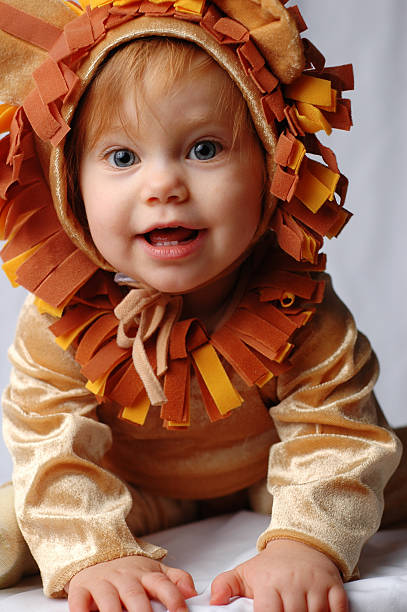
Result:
pixel 165 187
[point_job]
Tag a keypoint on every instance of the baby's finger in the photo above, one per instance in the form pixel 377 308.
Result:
pixel 295 601
pixel 106 597
pixel 133 595
pixel 225 586
pixel 182 580
pixel 338 600
pixel 318 601
pixel 160 587
pixel 80 600
pixel 267 601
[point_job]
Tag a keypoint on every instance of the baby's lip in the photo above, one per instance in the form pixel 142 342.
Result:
pixel 170 225
pixel 172 243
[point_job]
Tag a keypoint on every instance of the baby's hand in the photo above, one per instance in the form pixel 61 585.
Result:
pixel 287 576
pixel 131 581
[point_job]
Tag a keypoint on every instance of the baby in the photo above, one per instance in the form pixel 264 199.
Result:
pixel 180 296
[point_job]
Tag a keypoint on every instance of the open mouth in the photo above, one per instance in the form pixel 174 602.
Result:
pixel 173 243
pixel 171 236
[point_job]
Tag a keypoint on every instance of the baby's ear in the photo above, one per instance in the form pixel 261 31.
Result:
pixel 18 58
pixel 273 30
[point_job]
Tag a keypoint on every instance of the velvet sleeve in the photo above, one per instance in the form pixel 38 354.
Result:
pixel 337 452
pixel 71 511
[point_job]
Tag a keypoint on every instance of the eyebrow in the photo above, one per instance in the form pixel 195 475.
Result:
pixel 109 134
pixel 194 120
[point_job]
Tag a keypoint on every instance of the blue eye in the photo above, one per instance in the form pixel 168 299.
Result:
pixel 122 158
pixel 204 150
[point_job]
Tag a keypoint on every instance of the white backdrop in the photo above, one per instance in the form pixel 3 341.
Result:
pixel 367 261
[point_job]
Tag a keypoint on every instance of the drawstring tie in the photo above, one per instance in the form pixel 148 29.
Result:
pixel 147 311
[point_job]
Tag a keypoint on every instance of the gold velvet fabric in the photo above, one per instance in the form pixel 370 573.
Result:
pixel 318 428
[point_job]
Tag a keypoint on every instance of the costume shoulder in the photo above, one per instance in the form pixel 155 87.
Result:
pixel 330 332
pixel 36 353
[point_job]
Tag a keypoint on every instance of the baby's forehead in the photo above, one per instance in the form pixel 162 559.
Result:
pixel 184 112
pixel 193 99
pixel 209 79
pixel 130 90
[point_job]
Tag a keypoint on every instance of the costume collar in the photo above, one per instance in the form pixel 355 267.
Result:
pixel 134 350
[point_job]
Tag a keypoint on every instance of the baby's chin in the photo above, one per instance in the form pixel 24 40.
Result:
pixel 173 284
pixel 176 287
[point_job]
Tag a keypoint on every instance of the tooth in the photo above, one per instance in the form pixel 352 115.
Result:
pixel 172 243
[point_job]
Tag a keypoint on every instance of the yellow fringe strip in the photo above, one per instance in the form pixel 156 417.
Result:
pixel 308 314
pixel 66 339
pixel 317 184
pixel 264 379
pixel 284 352
pixel 309 249
pixel 297 156
pixel 95 3
pixel 7 112
pixel 332 107
pixel 11 266
pixel 174 425
pixel 72 5
pixel 138 413
pixel 217 381
pixel 192 7
pixel 311 191
pixel 44 308
pixel 97 387
pixel 54 311
pixel 311 119
pixel 325 175
pixel 311 90
pixel 309 93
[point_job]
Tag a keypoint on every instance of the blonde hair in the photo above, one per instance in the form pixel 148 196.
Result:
pixel 164 61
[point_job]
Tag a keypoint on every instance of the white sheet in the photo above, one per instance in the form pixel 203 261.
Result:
pixel 209 547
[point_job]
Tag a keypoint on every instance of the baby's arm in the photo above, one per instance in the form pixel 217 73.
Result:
pixel 287 576
pixel 326 475
pixel 71 511
pixel 131 581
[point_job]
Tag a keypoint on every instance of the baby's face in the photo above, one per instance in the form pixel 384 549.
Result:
pixel 175 199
